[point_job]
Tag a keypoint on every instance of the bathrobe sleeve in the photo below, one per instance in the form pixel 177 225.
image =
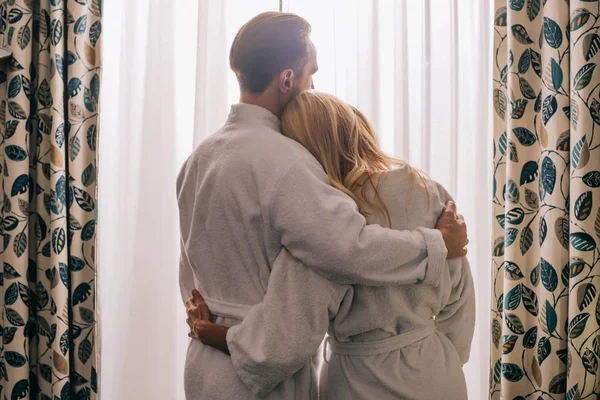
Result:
pixel 280 335
pixel 457 318
pixel 321 226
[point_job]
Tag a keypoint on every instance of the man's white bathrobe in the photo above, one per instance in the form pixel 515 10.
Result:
pixel 390 342
pixel 244 194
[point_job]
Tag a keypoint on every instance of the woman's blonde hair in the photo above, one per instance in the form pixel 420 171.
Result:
pixel 344 142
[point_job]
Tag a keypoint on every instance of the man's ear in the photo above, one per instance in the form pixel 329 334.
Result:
pixel 286 81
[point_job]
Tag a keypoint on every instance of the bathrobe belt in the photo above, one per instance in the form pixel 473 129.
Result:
pixel 376 347
pixel 220 308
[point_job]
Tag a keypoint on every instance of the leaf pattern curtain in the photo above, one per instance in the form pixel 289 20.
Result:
pixel 49 91
pixel 545 308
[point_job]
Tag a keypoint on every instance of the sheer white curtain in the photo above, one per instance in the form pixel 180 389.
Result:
pixel 420 70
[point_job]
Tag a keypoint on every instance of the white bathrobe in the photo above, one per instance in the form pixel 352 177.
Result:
pixel 391 342
pixel 244 194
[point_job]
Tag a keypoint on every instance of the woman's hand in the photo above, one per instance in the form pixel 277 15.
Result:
pixel 201 327
pixel 197 311
pixel 454 231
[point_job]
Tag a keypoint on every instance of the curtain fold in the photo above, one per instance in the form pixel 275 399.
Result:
pixel 50 89
pixel 545 306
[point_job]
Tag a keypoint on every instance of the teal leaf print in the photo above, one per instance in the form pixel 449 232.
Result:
pixel 544 349
pixel 595 111
pixel 583 206
pixel 548 275
pixel 586 294
pixel 57 31
pixel 11 295
pixel 91 137
pixel 88 176
pixel 530 338
pixel 496 329
pixel 580 17
pixel 513 298
pixel 20 390
pixel 14 317
pixel 16 153
pixel 526 89
pixel 15 15
pixel 512 271
pixel 81 25
pixel 549 318
pixel 500 17
pixel 95 32
pixel 502 143
pixel 44 94
pixel 75 145
pixel 512 372
pixel 582 241
pixel 562 231
pixel 10 223
pixel 564 275
pixel 513 152
pixel 529 172
pixel 510 236
pixel 20 244
pixel 515 216
pixel 532 199
pixel 558 384
pixel 14 359
pixel 75 264
pixel 85 351
pixel 526 240
pixel 513 322
pixel 517 5
pixel 10 128
pixel 549 108
pixel 591 45
pixel 14 88
pixel 552 33
pixel 543 230
pixel 74 87
pixel 577 325
pixel 524 136
pixel 530 300
pixel 16 110
pixel 590 361
pixel 548 175
pixel 592 179
pixel 584 76
pixel 58 240
pixel 83 199
pixel 94 381
pixel 519 107
pixel 9 335
pixel 88 231
pixel 576 266
pixel 557 74
pixel 524 61
pixel 533 9
pixel 520 34
pixel 497 371
pixel 536 62
pixel 81 293
pixel 83 394
pixel 86 315
pixel 10 272
pixel 24 36
pixel 508 343
pixel 499 246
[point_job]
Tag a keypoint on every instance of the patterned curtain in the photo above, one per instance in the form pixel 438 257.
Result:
pixel 49 124
pixel 546 277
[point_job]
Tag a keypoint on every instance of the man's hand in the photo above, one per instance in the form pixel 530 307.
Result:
pixel 197 312
pixel 454 231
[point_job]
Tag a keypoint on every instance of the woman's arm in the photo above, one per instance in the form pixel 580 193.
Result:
pixel 280 335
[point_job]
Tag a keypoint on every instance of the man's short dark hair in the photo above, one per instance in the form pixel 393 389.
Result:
pixel 266 45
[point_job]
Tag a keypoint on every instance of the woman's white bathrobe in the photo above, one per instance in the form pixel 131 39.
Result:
pixel 392 342
pixel 245 193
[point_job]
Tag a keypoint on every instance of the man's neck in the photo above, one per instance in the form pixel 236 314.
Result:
pixel 263 101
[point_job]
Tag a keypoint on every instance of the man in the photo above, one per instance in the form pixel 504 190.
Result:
pixel 247 192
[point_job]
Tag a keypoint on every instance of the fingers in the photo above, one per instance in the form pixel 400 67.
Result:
pixel 197 296
pixel 451 206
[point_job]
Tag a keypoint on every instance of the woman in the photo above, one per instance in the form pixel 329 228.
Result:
pixel 396 342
